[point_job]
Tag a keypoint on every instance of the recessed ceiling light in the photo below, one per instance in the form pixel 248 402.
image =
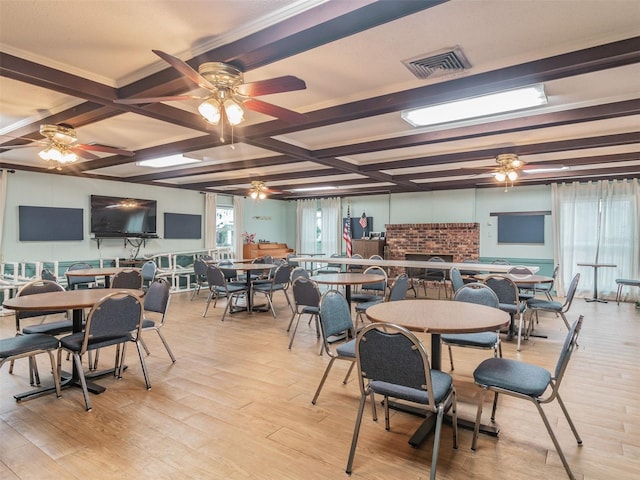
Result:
pixel 170 161
pixel 312 189
pixel 484 105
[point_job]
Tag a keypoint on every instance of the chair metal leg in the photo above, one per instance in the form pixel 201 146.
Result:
pixel 143 364
pixel 554 440
pixel 569 421
pixel 450 357
pixel 346 377
pixel 78 361
pixel 295 328
pixel 164 342
pixel 476 428
pixel 436 442
pixel 387 425
pixel 324 378
pixel 356 432
pixel 520 321
pixel 144 345
pixel 55 373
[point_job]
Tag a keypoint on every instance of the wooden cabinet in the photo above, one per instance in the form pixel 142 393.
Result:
pixel 366 248
pixel 276 250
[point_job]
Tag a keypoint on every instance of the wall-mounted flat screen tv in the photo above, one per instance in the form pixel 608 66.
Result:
pixel 123 217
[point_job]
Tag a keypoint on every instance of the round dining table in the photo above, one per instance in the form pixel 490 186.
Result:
pixel 347 279
pixel 519 280
pixel 77 301
pixel 437 317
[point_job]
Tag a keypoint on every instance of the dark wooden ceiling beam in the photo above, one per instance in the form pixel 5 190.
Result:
pixel 529 149
pixel 602 57
pixel 264 178
pixel 531 122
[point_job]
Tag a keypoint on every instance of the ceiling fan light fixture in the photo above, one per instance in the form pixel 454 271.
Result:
pixel 258 190
pixel 210 110
pixel 512 175
pixel 233 111
pixel 480 106
pixel 500 176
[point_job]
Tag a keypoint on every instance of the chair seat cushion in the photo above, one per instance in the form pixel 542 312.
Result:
pixel 21 344
pixel 73 342
pixel 310 310
pixel 268 287
pixel 538 303
pixel 512 375
pixel 51 328
pixel 511 308
pixel 628 281
pixel 481 339
pixel 361 307
pixel 347 349
pixel 146 323
pixel 441 385
pixel 365 297
pixel 232 288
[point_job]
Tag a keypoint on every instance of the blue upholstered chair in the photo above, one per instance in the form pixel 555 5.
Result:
pixel 398 292
pixel 536 305
pixel 219 287
pixel 306 298
pixel 528 382
pixel 482 295
pixel 392 362
pixel 336 324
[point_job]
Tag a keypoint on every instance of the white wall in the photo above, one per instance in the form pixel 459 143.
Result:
pixel 454 206
pixel 48 190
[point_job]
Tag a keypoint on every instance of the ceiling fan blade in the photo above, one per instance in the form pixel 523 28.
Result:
pixel 542 166
pixel 84 154
pixel 185 70
pixel 28 145
pixel 175 98
pixel 287 83
pixel 282 113
pixel 105 149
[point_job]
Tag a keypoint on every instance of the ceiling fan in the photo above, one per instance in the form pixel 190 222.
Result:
pixel 227 92
pixel 60 146
pixel 509 166
pixel 259 190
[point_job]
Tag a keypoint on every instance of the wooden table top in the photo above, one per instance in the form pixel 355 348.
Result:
pixel 596 265
pixel 439 316
pixel 249 266
pixel 347 278
pixel 97 272
pixel 63 300
pixel 520 279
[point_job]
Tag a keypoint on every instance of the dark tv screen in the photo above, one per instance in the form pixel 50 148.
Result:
pixel 123 217
pixel 50 224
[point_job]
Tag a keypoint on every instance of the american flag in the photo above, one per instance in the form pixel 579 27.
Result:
pixel 346 233
pixel 363 220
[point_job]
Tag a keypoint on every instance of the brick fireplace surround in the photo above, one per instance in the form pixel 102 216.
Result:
pixel 461 240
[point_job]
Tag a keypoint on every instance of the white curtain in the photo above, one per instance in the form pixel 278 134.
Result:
pixel 331 225
pixel 596 222
pixel 238 228
pixel 306 236
pixel 210 221
pixel 3 202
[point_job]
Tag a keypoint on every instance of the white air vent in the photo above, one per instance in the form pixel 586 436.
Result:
pixel 444 62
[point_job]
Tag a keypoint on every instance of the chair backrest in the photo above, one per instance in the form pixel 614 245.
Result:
pixel 32 288
pixel 200 269
pixel 435 272
pixel 456 279
pixel 115 315
pixel 520 271
pixel 570 342
pixel 157 297
pixel 399 288
pixel 571 292
pixel 501 261
pixel 335 315
pixel 504 288
pixel 290 261
pixel 73 280
pixel 469 272
pixel 375 257
pixel 268 259
pixel 127 279
pixel 335 265
pixel 282 275
pixel 216 277
pixel 228 273
pixel 148 271
pixel 299 272
pixel 46 274
pixel 355 268
pixel 389 353
pixel 477 293
pixel 380 286
pixel 305 292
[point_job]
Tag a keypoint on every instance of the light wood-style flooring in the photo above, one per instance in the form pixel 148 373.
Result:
pixel 237 405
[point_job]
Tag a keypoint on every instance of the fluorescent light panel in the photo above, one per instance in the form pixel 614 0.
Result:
pixel 474 107
pixel 170 161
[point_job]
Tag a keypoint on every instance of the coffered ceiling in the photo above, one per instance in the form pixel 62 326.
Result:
pixel 67 61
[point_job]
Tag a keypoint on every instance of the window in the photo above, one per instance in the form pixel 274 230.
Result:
pixel 224 226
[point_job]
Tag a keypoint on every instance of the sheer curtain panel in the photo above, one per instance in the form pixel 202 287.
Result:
pixel 238 212
pixel 210 220
pixel 307 224
pixel 331 225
